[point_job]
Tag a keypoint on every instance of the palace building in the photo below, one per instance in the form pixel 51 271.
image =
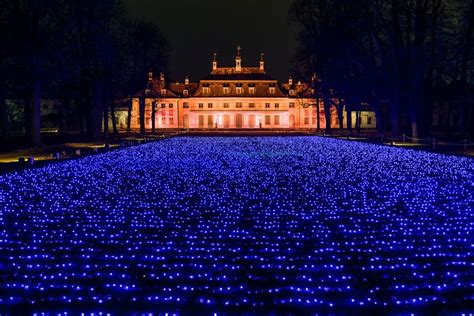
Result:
pixel 230 98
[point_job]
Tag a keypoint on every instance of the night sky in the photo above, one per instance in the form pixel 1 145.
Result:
pixel 196 28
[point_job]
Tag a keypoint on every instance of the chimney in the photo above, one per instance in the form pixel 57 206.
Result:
pixel 186 81
pixel 262 63
pixel 290 81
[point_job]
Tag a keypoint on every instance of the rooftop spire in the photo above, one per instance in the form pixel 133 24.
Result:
pixel 262 62
pixel 238 60
pixel 214 61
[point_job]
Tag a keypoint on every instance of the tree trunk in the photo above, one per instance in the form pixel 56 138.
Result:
pixel 106 120
pixel 96 114
pixel 114 119
pixel 318 114
pixel 327 108
pixel 358 122
pixel 3 118
pixel 395 113
pixel 153 115
pixel 129 116
pixel 340 115
pixel 468 43
pixel 142 114
pixel 349 116
pixel 27 117
pixel 62 120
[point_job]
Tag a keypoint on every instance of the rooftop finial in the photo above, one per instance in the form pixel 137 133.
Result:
pixel 261 56
pixel 238 50
pixel 214 61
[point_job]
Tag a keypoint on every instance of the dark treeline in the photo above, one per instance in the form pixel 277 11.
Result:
pixel 394 54
pixel 84 54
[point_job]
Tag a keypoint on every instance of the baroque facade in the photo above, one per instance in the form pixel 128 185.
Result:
pixel 230 98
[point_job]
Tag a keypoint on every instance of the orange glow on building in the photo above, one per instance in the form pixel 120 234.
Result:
pixel 230 98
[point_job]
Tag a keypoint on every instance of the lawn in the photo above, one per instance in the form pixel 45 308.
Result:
pixel 239 224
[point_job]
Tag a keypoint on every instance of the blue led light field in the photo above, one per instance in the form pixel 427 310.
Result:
pixel 225 224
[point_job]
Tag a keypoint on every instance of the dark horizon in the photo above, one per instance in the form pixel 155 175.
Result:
pixel 199 29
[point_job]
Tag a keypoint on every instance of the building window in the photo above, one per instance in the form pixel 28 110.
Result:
pixel 185 93
pixel 238 105
pixel 163 91
pixel 226 90
pixel 226 105
pixel 206 90
pixel 369 120
pixel 276 120
pixel 163 120
pixel 267 119
pixel 201 105
pixel 292 105
pixel 252 90
pixel 209 105
pixel 267 105
pixel 306 120
pixel 252 105
pixel 277 105
pixel 238 90
pixel 171 120
pixel 292 92
pixel 171 105
pixel 272 90
pixel 185 105
pixel 163 105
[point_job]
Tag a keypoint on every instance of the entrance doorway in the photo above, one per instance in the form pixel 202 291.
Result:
pixel 251 121
pixel 238 120
pixel 226 120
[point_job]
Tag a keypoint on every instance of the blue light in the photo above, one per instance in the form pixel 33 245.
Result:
pixel 307 222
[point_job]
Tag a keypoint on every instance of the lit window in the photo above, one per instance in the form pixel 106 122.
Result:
pixel 206 90
pixel 226 105
pixel 201 105
pixel 238 105
pixel 163 105
pixel 267 119
pixel 369 120
pixel 277 105
pixel 209 105
pixel 267 105
pixel 292 92
pixel 292 105
pixel 252 90
pixel 163 120
pixel 272 90
pixel 226 90
pixel 185 105
pixel 163 91
pixel 238 90
pixel 252 105
pixel 276 120
pixel 185 92
pixel 171 105
pixel 171 120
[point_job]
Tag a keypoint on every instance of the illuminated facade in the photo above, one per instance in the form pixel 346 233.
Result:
pixel 230 98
